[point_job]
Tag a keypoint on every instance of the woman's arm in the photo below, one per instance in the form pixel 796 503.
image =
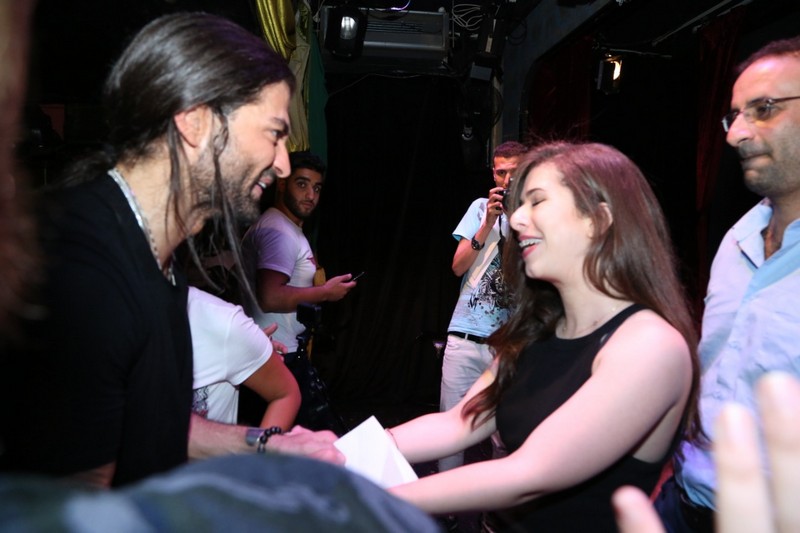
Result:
pixel 438 435
pixel 632 404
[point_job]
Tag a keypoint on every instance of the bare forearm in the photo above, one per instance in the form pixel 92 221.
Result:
pixel 465 254
pixel 463 259
pixel 281 412
pixel 436 435
pixel 502 484
pixel 209 439
pixel 286 298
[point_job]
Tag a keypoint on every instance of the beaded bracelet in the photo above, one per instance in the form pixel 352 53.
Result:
pixel 262 440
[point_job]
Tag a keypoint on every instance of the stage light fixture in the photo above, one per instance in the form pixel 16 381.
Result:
pixel 609 74
pixel 344 35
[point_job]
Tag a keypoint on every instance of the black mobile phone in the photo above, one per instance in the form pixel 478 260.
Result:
pixel 355 278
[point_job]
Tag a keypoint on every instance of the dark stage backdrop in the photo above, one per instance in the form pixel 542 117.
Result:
pixel 396 187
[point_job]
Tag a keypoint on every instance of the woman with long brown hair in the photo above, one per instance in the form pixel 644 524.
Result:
pixel 595 375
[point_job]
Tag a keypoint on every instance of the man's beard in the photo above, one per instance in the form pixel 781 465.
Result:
pixel 234 184
pixel 294 207
pixel 244 207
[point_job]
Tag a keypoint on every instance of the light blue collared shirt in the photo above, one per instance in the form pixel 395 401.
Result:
pixel 751 326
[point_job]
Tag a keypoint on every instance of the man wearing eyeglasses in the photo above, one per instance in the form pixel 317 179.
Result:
pixel 482 305
pixel 752 317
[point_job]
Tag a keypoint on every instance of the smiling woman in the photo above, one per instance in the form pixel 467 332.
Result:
pixel 549 225
pixel 599 324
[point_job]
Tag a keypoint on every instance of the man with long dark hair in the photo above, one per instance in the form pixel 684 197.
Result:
pixel 198 116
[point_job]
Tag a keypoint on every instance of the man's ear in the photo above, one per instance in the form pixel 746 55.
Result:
pixel 195 126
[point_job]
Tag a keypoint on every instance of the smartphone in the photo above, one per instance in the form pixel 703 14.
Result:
pixel 355 278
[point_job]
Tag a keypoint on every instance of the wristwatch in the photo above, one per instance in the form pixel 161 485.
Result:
pixel 259 437
pixel 477 245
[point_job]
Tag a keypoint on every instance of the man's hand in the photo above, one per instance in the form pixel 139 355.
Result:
pixel 494 206
pixel 465 255
pixel 270 330
pixel 279 347
pixel 314 444
pixel 210 439
pixel 747 498
pixel 337 287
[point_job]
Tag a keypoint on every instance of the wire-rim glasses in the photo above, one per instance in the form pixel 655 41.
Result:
pixel 756 111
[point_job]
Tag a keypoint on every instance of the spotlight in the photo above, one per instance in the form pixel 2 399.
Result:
pixel 344 35
pixel 609 74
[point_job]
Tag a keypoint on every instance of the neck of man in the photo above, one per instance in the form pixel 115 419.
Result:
pixel 149 182
pixel 281 206
pixel 785 210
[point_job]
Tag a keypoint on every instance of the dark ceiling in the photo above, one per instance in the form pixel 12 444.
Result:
pixel 659 24
pixel 74 43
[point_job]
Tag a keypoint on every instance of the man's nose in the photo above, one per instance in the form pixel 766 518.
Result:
pixel 739 130
pixel 281 166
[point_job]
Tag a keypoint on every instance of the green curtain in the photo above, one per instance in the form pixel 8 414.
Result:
pixel 292 35
pixel 317 100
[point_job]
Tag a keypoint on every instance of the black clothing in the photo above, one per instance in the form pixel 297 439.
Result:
pixel 679 514
pixel 548 374
pixel 106 374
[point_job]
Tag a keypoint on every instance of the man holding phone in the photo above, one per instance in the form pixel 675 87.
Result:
pixel 281 266
pixel 482 305
pixel 278 256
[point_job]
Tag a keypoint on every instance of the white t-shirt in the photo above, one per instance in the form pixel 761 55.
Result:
pixel 276 243
pixel 228 348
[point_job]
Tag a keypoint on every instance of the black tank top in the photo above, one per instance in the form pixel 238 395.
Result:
pixel 548 373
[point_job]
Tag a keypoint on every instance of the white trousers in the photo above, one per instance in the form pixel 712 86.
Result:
pixel 463 363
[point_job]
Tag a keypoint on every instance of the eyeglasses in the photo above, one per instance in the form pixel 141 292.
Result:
pixel 759 110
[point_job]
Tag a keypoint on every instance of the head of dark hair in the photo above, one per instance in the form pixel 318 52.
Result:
pixel 630 256
pixel 175 63
pixel 510 149
pixel 781 47
pixel 178 62
pixel 306 159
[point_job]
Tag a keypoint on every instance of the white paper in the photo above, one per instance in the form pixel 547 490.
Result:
pixel 371 452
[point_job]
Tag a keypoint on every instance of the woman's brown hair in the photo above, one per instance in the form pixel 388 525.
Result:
pixel 630 258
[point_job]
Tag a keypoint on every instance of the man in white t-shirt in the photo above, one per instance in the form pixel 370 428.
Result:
pixel 281 267
pixel 231 350
pixel 278 257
